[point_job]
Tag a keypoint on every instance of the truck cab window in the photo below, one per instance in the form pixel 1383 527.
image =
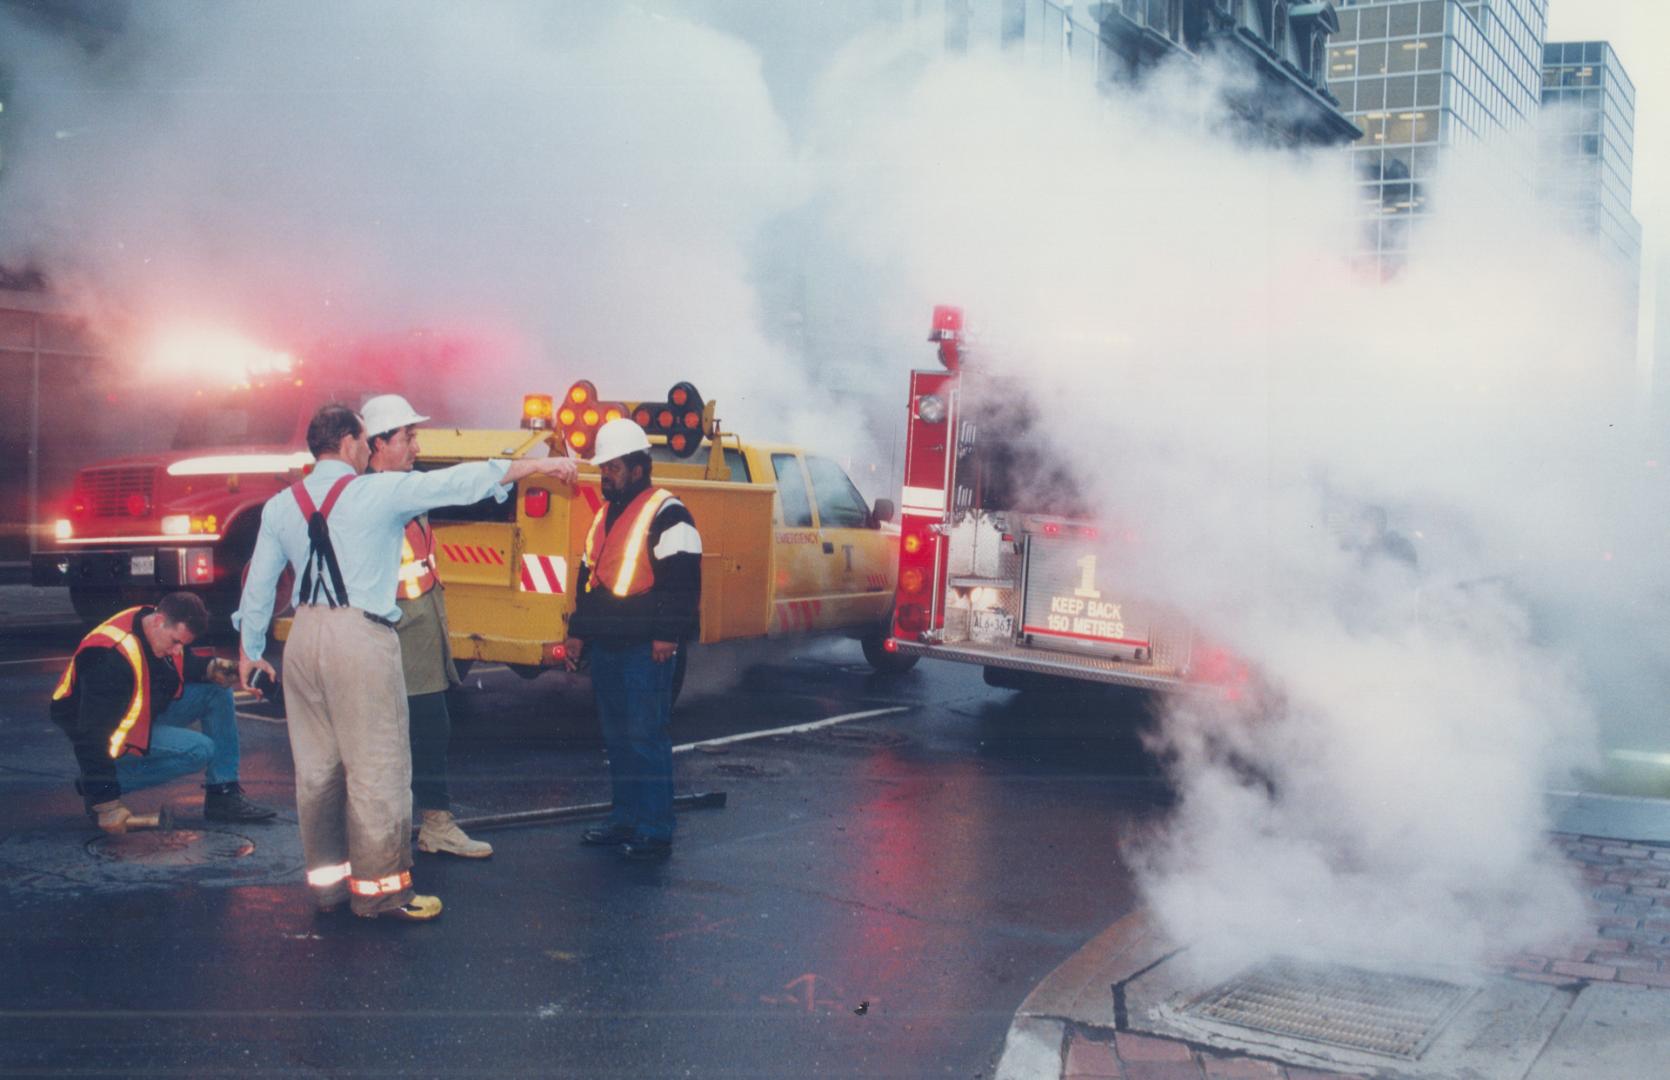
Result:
pixel 792 501
pixel 840 506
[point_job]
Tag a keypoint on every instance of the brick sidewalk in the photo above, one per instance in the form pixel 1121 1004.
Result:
pixel 1630 899
pixel 1630 902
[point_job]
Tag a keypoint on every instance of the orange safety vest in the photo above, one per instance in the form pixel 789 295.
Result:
pixel 119 632
pixel 417 560
pixel 619 557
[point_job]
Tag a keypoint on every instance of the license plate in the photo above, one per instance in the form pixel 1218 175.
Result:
pixel 992 626
pixel 143 566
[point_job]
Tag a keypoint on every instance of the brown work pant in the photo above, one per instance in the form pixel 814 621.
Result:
pixel 345 703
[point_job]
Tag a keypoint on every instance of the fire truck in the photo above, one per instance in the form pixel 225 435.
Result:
pixel 135 527
pixel 789 545
pixel 1001 565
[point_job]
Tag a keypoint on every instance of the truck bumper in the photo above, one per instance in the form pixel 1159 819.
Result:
pixel 112 569
pixel 1040 662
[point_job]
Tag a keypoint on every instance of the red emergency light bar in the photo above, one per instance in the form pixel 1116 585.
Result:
pixel 948 332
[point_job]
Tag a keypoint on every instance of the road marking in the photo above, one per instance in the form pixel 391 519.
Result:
pixel 38 660
pixel 793 729
pixel 264 719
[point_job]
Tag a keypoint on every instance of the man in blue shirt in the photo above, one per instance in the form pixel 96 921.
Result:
pixel 345 695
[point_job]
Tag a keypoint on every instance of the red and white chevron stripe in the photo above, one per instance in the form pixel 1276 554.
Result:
pixel 544 573
pixel 473 553
pixel 798 614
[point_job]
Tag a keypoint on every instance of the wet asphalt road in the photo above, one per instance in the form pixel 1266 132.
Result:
pixel 876 899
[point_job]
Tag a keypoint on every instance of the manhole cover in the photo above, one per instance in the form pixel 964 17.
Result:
pixel 182 847
pixel 1394 1015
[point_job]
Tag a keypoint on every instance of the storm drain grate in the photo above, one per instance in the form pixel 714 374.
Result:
pixel 1394 1015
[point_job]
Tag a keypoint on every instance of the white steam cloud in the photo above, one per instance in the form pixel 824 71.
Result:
pixel 1236 397
pixel 582 186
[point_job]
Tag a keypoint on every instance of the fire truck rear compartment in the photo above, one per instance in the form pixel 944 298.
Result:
pixel 1007 575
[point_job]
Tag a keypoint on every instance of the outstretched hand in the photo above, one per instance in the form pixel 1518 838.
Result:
pixel 246 666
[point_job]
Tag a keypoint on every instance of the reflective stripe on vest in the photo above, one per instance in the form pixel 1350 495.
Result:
pixel 417 561
pixel 621 560
pixel 133 731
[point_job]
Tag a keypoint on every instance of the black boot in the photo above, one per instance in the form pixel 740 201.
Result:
pixel 226 802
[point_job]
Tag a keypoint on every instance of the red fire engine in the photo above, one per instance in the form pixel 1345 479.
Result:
pixel 135 527
pixel 1000 565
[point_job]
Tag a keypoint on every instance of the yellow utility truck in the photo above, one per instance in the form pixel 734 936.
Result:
pixel 789 546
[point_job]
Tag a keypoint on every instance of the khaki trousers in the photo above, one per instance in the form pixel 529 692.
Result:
pixel 345 704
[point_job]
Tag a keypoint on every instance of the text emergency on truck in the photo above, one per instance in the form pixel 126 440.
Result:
pixel 1000 563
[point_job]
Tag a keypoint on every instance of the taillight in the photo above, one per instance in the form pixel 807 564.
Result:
pixel 911 618
pixel 559 651
pixel 200 566
pixel 536 502
pixel 911 581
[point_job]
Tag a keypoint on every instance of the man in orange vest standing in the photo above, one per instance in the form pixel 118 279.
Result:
pixel 126 701
pixel 637 602
pixel 425 651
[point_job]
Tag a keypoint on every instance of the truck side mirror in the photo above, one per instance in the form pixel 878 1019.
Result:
pixel 882 513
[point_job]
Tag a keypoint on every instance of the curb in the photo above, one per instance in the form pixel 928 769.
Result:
pixel 1038 1044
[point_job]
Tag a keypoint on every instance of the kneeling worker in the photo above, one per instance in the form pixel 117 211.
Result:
pixel 425 651
pixel 126 701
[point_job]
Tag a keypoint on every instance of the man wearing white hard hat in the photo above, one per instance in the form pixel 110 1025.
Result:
pixel 425 650
pixel 637 601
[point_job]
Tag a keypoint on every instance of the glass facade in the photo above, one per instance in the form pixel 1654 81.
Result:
pixel 1106 42
pixel 1421 77
pixel 1587 143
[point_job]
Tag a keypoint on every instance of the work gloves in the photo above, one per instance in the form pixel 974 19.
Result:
pixel 110 816
pixel 223 672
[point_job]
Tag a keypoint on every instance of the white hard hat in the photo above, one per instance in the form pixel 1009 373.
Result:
pixel 388 412
pixel 618 438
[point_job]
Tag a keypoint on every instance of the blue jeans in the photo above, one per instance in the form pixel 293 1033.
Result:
pixel 634 705
pixel 177 750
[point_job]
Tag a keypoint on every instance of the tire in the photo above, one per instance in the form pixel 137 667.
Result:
pixel 884 662
pixel 463 668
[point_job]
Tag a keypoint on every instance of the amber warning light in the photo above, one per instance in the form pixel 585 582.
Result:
pixel 536 411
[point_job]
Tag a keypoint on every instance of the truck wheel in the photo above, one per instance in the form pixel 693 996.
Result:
pixel 885 663
pixel 93 606
pixel 463 667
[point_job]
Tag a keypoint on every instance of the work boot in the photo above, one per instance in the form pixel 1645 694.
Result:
pixel 226 802
pixel 612 836
pixel 440 835
pixel 417 909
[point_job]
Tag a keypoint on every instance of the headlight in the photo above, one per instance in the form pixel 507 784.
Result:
pixel 176 525
pixel 62 529
pixel 930 408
